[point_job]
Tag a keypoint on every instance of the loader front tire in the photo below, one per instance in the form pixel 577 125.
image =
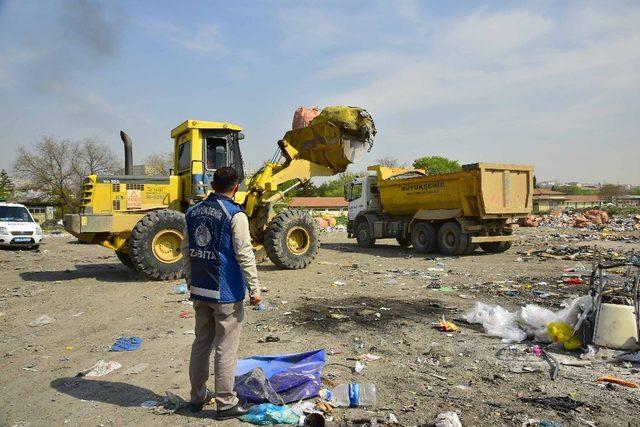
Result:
pixel 291 240
pixel 154 245
pixel 125 259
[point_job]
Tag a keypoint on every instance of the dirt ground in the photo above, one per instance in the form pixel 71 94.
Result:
pixel 389 299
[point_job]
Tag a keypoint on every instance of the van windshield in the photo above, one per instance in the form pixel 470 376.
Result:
pixel 14 214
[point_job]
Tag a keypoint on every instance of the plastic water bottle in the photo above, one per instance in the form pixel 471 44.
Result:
pixel 353 395
pixel 179 289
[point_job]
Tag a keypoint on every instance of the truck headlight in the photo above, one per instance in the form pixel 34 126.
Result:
pixel 4 230
pixel 38 231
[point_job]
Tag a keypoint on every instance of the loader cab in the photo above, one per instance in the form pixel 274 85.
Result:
pixel 363 195
pixel 199 149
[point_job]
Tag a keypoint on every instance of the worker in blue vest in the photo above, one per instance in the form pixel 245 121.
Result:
pixel 219 266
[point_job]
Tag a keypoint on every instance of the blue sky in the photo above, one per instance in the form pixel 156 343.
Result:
pixel 553 84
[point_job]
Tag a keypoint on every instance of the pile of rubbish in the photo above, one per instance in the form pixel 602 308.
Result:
pixel 578 253
pixel 593 219
pixel 608 316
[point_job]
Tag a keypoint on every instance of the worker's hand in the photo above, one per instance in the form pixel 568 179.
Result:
pixel 255 300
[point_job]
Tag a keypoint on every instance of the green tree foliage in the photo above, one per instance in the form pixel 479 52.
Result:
pixel 7 189
pixel 332 188
pixel 574 190
pixel 635 191
pixel 437 164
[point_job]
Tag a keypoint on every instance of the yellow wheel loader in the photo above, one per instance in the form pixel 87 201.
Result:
pixel 142 217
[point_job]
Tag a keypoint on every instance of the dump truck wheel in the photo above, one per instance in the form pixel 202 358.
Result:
pixel 451 239
pixel 291 240
pixel 405 242
pixel 125 259
pixel 495 247
pixel 471 247
pixel 423 237
pixel 364 236
pixel 154 245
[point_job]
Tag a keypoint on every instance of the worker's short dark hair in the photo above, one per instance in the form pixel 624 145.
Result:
pixel 224 179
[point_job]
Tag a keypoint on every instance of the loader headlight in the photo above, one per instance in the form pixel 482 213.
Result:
pixel 4 230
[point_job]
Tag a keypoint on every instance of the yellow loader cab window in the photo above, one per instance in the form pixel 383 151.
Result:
pixel 184 156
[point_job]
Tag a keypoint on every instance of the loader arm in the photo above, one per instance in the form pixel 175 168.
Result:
pixel 324 148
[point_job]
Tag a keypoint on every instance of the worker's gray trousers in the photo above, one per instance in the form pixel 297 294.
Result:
pixel 217 326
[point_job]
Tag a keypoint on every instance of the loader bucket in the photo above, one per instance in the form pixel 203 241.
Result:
pixel 336 138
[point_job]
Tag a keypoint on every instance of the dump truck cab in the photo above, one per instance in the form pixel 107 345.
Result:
pixel 201 147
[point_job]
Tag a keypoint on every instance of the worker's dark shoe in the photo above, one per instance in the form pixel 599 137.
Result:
pixel 197 407
pixel 233 412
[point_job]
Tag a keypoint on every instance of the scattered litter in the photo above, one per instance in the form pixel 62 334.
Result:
pixel 368 358
pixel 339 283
pixel 563 333
pixel 359 367
pixel 100 369
pixel 179 289
pixel 392 419
pixel 270 414
pixel 189 332
pixel 614 380
pixel 78 314
pixel 448 419
pixel 445 326
pixel 337 316
pixel 127 344
pixel 185 315
pixel 42 320
pixel 173 402
pixel 269 338
pixel 541 423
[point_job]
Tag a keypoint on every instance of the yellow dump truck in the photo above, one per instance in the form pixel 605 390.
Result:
pixel 452 212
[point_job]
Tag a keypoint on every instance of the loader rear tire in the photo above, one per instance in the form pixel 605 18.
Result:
pixel 451 239
pixel 364 237
pixel 495 247
pixel 154 245
pixel 125 259
pixel 423 237
pixel 291 240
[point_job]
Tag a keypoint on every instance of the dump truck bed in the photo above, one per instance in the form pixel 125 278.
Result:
pixel 481 190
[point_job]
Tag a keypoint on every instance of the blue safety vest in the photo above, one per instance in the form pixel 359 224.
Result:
pixel 215 273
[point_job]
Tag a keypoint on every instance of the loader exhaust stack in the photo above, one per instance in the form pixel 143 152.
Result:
pixel 128 153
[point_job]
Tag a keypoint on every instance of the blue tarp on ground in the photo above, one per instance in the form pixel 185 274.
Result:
pixel 281 378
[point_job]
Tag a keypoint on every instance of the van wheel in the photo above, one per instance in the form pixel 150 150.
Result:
pixel 404 241
pixel 423 237
pixel 364 236
pixel 451 239
pixel 495 247
pixel 155 244
pixel 291 240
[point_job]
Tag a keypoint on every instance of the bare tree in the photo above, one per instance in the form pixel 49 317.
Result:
pixel 389 162
pixel 159 164
pixel 57 167
pixel 95 158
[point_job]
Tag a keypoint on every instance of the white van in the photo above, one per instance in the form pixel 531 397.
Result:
pixel 17 227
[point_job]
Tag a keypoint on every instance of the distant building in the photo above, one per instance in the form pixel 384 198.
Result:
pixel 42 208
pixel 545 201
pixel 334 206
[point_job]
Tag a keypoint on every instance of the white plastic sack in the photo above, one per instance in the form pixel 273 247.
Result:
pixel 496 322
